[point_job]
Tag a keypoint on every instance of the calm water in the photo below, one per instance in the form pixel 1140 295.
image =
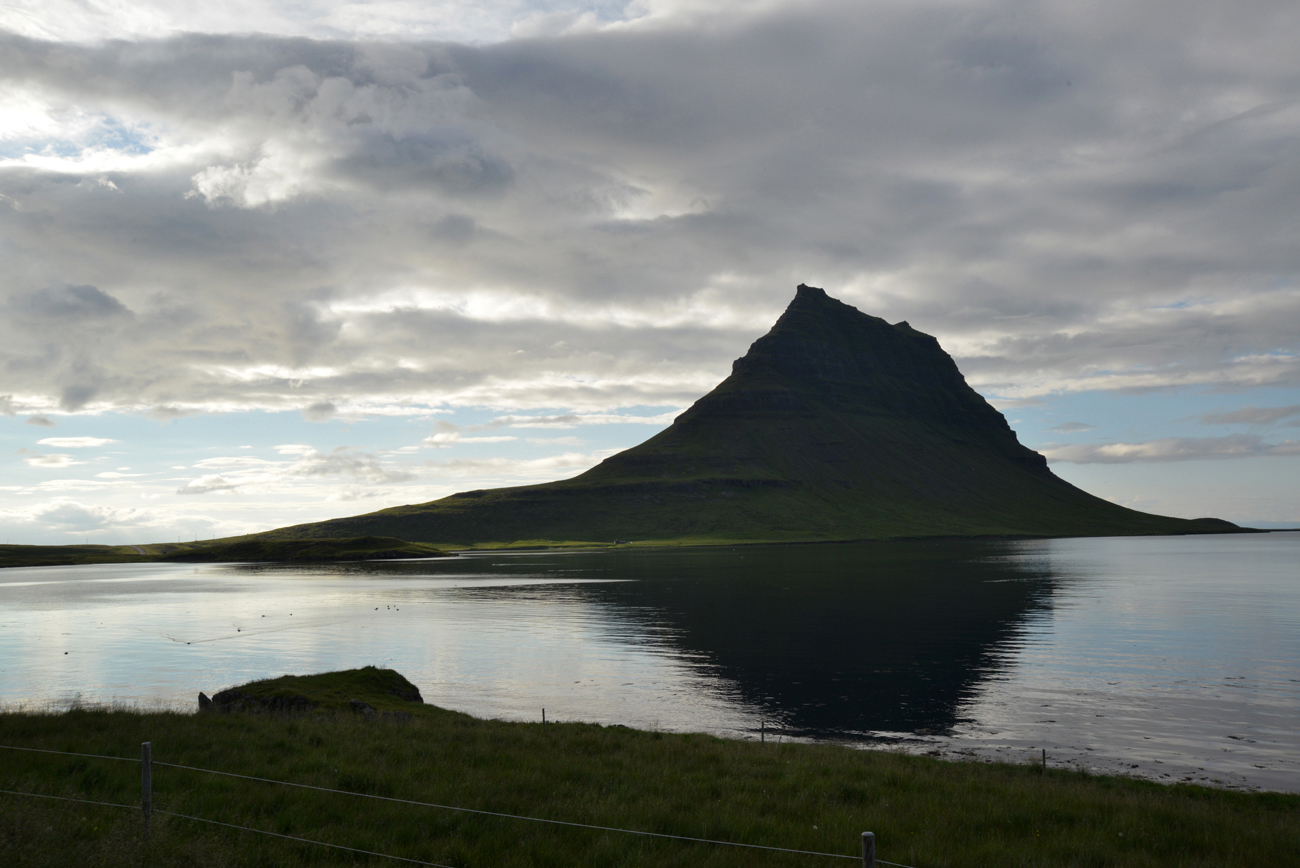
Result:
pixel 1175 658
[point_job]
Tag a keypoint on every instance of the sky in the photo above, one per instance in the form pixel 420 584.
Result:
pixel 266 262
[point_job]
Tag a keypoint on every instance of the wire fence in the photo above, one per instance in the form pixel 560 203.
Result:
pixel 867 858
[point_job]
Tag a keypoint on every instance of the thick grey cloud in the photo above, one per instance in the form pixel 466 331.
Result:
pixel 319 412
pixel 62 305
pixel 1070 197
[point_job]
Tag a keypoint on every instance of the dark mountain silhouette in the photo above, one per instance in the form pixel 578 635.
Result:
pixel 834 426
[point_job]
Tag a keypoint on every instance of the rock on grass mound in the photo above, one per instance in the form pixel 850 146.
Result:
pixel 369 691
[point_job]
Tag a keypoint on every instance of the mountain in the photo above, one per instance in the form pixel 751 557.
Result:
pixel 835 425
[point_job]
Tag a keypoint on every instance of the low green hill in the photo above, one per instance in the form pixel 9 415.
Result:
pixel 52 556
pixel 363 548
pixel 291 550
pixel 834 426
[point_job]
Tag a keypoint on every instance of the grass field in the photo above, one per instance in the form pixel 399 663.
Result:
pixel 925 812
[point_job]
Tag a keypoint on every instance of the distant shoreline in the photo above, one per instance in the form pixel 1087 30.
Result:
pixel 88 554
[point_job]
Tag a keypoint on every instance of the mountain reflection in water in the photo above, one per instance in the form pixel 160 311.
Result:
pixel 832 641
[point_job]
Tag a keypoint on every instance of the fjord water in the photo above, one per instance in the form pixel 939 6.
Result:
pixel 1176 658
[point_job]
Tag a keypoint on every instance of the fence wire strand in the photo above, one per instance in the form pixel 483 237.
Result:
pixel 510 816
pixel 67 799
pixel 302 840
pixel 129 759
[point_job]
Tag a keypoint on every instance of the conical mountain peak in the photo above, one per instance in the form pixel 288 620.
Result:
pixel 834 425
pixel 825 350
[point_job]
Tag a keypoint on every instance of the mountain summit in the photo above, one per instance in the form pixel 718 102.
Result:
pixel 835 425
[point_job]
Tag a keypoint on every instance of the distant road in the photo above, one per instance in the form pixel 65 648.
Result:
pixel 139 550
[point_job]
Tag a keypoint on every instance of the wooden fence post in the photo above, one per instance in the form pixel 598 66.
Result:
pixel 868 850
pixel 146 786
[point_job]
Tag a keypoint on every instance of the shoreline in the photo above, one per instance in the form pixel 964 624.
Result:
pixel 14 556
pixel 424 783
pixel 951 748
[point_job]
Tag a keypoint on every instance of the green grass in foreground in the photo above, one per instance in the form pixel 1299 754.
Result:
pixel 925 813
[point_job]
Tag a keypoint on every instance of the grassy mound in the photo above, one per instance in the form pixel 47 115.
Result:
pixel 384 690
pixel 925 812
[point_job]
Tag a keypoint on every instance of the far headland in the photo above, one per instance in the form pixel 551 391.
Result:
pixel 835 426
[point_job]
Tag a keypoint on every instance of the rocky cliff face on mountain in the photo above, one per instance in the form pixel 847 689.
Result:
pixel 835 425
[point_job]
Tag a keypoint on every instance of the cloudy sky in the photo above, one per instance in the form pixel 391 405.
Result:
pixel 267 261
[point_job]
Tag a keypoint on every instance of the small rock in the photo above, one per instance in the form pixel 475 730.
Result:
pixel 412 695
pixel 205 704
pixel 362 708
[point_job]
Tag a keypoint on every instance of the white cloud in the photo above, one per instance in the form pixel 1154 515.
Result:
pixel 207 484
pixel 234 461
pixel 445 438
pixel 446 434
pixel 72 517
pixel 565 464
pixel 571 420
pixel 342 462
pixel 245 472
pixel 52 461
pixel 556 441
pixel 76 442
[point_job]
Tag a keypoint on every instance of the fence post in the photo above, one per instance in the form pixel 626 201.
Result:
pixel 146 786
pixel 868 850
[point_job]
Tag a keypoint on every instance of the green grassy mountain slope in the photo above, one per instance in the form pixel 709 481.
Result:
pixel 835 425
